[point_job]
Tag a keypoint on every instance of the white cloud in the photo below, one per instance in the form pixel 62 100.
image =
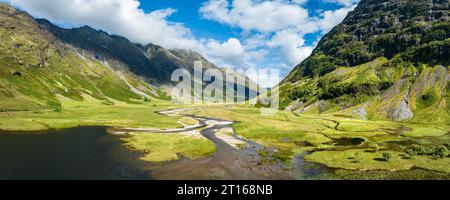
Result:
pixel 262 16
pixel 280 25
pixel 332 18
pixel 217 10
pixel 229 52
pixel 272 32
pixel 291 44
pixel 344 2
pixel 122 17
pixel 299 2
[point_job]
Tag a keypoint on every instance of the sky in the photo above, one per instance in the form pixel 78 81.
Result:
pixel 262 34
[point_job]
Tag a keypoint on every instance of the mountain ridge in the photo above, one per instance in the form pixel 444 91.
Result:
pixel 381 28
pixel 43 63
pixel 151 61
pixel 387 60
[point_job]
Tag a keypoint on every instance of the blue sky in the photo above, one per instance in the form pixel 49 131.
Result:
pixel 187 13
pixel 231 33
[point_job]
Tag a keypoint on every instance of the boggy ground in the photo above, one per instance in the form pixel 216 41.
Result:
pixel 341 143
pixel 208 149
pixel 259 147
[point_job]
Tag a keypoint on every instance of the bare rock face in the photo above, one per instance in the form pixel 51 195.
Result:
pixel 295 105
pixel 416 30
pixel 402 112
pixel 389 54
pixel 361 112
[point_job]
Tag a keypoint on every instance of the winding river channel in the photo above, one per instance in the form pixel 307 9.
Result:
pixel 96 153
pixel 228 162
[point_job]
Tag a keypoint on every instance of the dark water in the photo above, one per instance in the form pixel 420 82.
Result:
pixel 348 141
pixel 79 153
pixel 90 153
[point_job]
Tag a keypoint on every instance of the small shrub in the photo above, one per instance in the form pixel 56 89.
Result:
pixel 437 152
pixel 387 156
pixel 440 152
pixel 447 144
pixel 418 150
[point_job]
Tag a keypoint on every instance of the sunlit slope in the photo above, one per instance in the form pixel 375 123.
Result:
pixel 36 68
pixel 387 60
pixel 375 90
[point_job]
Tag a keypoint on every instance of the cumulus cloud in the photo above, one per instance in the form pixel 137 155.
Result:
pixel 300 2
pixel 344 2
pixel 122 17
pixel 269 30
pixel 230 51
pixel 279 25
pixel 332 18
pixel 291 44
pixel 262 16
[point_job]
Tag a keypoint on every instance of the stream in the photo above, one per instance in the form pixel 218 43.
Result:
pixel 93 153
pixel 228 162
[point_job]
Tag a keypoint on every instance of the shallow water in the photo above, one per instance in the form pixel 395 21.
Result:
pixel 227 162
pixel 93 154
pixel 77 153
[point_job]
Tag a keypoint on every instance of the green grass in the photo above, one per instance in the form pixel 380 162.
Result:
pixel 24 124
pixel 165 147
pixel 90 112
pixel 289 134
pixel 188 121
pixel 419 130
pixel 374 161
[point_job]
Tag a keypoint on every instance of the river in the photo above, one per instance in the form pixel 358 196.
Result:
pixel 93 153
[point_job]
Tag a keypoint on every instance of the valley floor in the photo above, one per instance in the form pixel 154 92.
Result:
pixel 332 141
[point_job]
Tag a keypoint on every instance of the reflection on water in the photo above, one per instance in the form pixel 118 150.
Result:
pixel 78 153
pixel 306 170
pixel 91 153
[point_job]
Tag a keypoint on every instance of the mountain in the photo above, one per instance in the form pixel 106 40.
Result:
pixel 38 69
pixel 388 59
pixel 153 62
pixel 42 63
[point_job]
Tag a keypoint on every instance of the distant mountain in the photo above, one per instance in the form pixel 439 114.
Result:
pixel 389 59
pixel 153 62
pixel 41 63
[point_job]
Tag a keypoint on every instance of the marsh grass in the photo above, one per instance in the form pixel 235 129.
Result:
pixel 289 134
pixel 159 147
pixel 90 112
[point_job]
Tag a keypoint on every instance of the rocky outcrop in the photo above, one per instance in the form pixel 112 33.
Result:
pixel 389 59
pixel 153 62
pixel 402 112
pixel 416 30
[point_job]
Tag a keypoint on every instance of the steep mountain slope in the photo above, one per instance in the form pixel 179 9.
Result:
pixel 40 63
pixel 389 59
pixel 37 69
pixel 153 62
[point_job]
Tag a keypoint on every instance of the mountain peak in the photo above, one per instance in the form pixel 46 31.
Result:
pixel 387 60
pixel 382 28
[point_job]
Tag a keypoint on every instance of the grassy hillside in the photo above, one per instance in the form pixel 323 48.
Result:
pixel 417 31
pixel 374 90
pixel 335 140
pixel 36 68
pixel 387 60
